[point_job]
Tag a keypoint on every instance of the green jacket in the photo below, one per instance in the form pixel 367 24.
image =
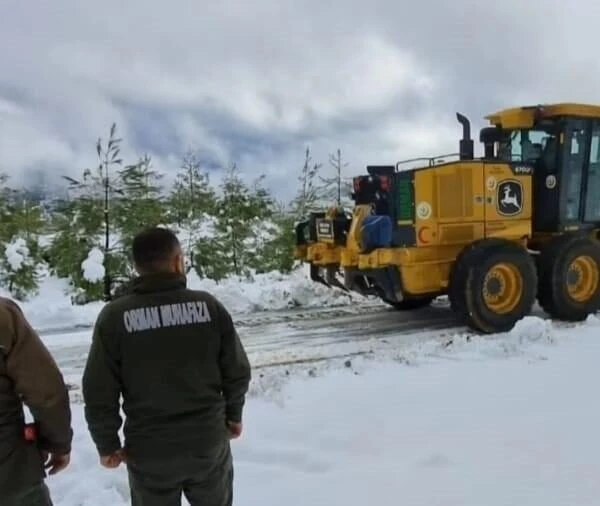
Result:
pixel 174 356
pixel 28 376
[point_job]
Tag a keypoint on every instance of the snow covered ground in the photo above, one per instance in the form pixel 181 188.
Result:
pixel 497 420
pixel 51 308
pixel 355 403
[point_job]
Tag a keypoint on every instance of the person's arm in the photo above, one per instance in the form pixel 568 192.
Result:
pixel 235 367
pixel 101 388
pixel 39 382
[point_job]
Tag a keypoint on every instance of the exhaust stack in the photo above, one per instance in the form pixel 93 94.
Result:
pixel 466 145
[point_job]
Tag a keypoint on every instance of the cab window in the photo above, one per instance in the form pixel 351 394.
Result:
pixel 573 164
pixel 592 201
pixel 533 146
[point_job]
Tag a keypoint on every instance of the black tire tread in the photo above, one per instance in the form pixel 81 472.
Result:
pixel 470 269
pixel 552 263
pixel 460 272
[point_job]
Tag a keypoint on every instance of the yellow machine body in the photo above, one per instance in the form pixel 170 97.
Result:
pixel 532 197
pixel 456 204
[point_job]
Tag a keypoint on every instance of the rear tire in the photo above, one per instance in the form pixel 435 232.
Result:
pixel 494 285
pixel 569 277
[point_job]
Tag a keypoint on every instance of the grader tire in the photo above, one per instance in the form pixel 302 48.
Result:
pixel 460 272
pixel 499 282
pixel 569 277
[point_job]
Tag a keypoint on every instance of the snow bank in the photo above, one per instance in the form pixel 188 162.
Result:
pixel 93 266
pixel 273 291
pixel 16 253
pixel 495 421
pixel 52 308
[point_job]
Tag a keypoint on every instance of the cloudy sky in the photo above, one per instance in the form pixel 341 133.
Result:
pixel 254 82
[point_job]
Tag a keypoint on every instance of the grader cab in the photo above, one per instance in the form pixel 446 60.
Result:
pixel 493 233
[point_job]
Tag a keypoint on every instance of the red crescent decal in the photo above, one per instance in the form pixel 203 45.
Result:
pixel 420 235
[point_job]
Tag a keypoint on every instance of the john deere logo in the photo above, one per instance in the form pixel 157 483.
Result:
pixel 509 197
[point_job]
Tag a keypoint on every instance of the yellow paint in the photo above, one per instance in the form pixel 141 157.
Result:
pixel 587 279
pixel 349 258
pixel 300 252
pixel 382 257
pixel 524 117
pixel 502 288
pixel 455 204
pixel 454 192
pixel 423 270
pixel 353 241
pixel 323 254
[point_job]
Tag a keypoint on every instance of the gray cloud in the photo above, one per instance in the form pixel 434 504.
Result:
pixel 254 82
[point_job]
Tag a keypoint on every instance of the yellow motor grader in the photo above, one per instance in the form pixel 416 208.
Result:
pixel 493 233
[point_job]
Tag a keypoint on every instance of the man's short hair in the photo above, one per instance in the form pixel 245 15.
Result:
pixel 153 247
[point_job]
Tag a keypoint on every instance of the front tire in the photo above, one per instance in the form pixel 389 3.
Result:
pixel 460 272
pixel 499 281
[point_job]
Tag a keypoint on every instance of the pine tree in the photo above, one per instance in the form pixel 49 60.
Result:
pixel 263 232
pixel 139 205
pixel 83 223
pixel 277 251
pixel 19 214
pixel 77 227
pixel 22 223
pixel 27 221
pixel 310 197
pixel 309 194
pixel 241 215
pixel 112 201
pixel 191 203
pixel 337 188
pixel 7 197
pixel 19 268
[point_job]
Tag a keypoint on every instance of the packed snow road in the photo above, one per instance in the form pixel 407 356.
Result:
pixel 290 338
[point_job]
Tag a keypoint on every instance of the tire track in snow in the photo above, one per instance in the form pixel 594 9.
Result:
pixel 336 334
pixel 256 319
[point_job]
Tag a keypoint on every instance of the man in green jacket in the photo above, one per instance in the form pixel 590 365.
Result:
pixel 174 356
pixel 29 376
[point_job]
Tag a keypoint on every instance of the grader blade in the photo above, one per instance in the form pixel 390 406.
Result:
pixel 332 274
pixel 315 275
pixel 331 278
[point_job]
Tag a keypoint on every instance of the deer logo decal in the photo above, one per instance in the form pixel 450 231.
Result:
pixel 509 197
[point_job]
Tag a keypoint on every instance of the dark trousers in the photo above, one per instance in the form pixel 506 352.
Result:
pixel 38 495
pixel 204 480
